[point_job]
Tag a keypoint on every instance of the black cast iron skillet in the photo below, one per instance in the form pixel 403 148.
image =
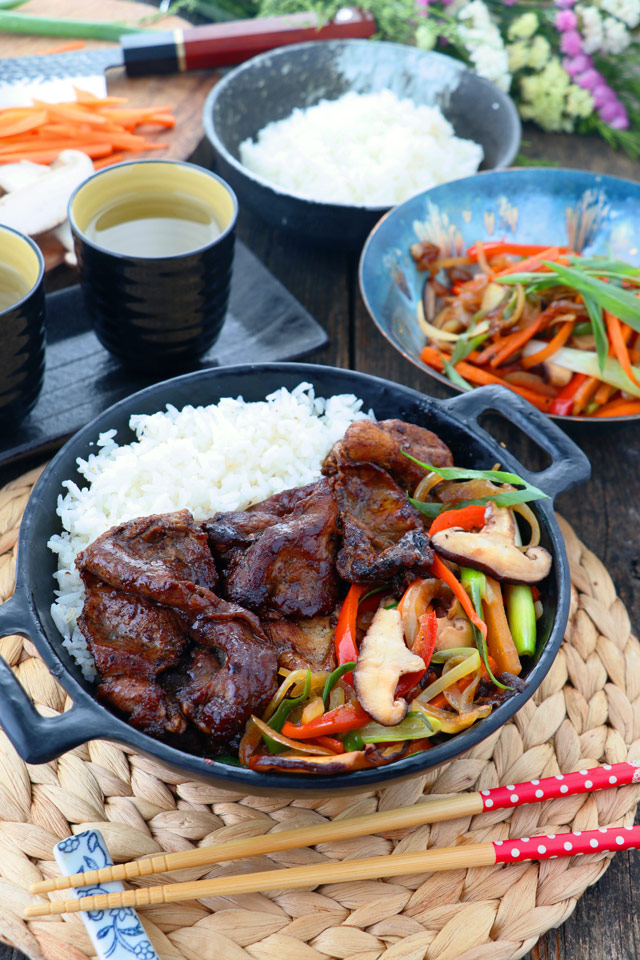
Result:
pixel 38 739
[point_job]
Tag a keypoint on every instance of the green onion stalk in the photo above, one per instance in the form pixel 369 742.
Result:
pixel 415 726
pixel 475 584
pixel 53 27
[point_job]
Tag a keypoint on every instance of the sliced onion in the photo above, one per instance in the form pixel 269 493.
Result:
pixel 300 746
pixel 527 514
pixel 462 669
pixel 415 602
pixel 426 485
pixel 451 722
pixel 288 687
pixel 249 743
pixel 437 333
pixel 460 700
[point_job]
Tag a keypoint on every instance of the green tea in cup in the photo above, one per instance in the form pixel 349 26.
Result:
pixel 13 286
pixel 158 224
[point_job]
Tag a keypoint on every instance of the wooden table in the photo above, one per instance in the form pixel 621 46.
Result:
pixel 605 513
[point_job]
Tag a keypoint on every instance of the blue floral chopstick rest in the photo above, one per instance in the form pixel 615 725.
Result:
pixel 115 934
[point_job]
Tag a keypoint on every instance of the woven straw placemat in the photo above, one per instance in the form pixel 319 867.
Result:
pixel 587 711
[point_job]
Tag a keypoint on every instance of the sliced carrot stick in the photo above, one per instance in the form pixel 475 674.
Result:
pixel 70 111
pixel 432 358
pixel 516 341
pixel 618 408
pixel 61 48
pixel 554 344
pixel 583 395
pixel 619 345
pixel 531 264
pixel 23 125
pixel 107 161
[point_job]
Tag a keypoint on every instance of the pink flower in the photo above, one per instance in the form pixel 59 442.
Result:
pixel 589 80
pixel 578 64
pixel 564 4
pixel 571 43
pixel 566 20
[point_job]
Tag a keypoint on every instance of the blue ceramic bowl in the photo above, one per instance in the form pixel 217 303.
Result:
pixel 270 86
pixel 592 213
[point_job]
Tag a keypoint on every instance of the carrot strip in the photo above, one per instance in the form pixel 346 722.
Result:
pixel 604 393
pixel 516 341
pixel 161 120
pixel 69 111
pixel 24 125
pixel 442 572
pixel 108 161
pixel 618 408
pixel 619 345
pixel 531 264
pixel 432 358
pixel 554 344
pixel 583 395
pixel 61 48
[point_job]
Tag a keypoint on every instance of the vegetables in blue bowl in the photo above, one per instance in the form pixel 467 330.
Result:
pixel 532 220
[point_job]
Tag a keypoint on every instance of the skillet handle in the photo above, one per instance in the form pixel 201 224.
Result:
pixel 570 466
pixel 36 738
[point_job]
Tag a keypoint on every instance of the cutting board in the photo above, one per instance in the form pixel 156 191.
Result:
pixel 185 92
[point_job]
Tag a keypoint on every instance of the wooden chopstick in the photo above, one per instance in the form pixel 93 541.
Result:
pixel 432 811
pixel 428 861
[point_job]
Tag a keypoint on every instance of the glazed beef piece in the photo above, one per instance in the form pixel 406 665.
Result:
pixel 382 444
pixel 127 634
pixel 383 536
pixel 147 614
pixel 148 706
pixel 286 565
pixel 241 528
pixel 163 557
pixel 232 669
pixel 303 643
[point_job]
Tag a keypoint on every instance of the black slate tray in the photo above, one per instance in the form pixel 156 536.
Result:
pixel 265 322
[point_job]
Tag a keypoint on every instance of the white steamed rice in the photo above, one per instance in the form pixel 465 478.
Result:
pixel 363 149
pixel 225 456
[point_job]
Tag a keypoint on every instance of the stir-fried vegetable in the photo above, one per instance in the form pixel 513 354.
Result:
pixel 403 673
pixel 567 314
pixel 522 618
pixel 415 726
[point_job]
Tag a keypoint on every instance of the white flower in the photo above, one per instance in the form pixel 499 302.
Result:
pixel 592 31
pixel 626 10
pixel 493 65
pixel 484 44
pixel 616 36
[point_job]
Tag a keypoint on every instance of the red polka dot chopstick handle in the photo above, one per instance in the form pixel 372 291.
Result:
pixel 567 844
pixel 562 785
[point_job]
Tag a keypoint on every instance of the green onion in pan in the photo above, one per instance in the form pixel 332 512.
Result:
pixel 333 678
pixel 415 726
pixel 475 583
pixel 521 615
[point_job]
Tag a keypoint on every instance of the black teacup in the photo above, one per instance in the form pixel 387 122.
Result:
pixel 154 241
pixel 22 338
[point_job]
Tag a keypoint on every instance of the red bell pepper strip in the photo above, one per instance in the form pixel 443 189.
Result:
pixel 440 570
pixel 350 716
pixel 345 635
pixel 424 645
pixel 493 248
pixel 563 403
pixel 332 743
pixel 467 518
